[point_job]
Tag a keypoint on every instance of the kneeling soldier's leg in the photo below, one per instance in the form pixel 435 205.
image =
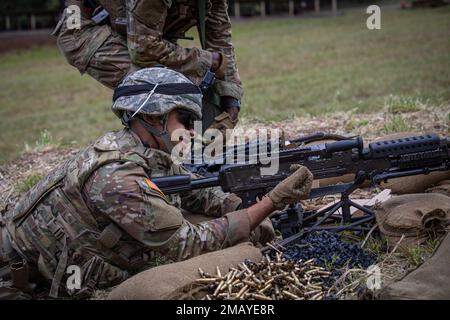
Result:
pixel 94 49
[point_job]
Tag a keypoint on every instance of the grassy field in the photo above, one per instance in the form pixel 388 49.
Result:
pixel 290 67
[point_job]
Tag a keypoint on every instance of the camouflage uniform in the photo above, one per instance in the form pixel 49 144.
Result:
pixel 152 28
pixel 100 211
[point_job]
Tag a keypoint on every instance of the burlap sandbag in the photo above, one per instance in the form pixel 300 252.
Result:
pixel 442 187
pixel 415 184
pixel 416 216
pixel 412 184
pixel 160 282
pixel 430 281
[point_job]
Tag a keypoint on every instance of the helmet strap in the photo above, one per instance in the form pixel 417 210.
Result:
pixel 163 134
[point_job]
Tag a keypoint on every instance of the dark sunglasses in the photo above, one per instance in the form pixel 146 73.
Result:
pixel 186 118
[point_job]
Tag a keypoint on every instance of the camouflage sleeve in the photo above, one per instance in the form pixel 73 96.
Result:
pixel 218 38
pixel 211 202
pixel 146 19
pixel 123 193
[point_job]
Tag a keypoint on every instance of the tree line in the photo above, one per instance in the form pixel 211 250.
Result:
pixel 11 7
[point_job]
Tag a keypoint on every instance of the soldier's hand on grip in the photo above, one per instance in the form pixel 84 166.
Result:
pixel 292 189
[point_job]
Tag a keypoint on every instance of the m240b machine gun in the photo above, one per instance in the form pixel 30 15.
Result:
pixel 380 161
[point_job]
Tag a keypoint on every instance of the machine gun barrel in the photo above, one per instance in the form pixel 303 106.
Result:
pixel 378 162
pixel 183 183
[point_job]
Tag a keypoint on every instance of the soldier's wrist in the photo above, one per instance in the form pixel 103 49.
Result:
pixel 228 102
pixel 216 58
pixel 259 211
pixel 270 203
pixel 231 106
pixel 218 65
pixel 277 202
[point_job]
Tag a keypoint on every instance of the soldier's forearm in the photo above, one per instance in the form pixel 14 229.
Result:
pixel 259 211
pixel 229 88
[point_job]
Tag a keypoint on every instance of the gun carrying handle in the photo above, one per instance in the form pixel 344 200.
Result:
pixel 344 145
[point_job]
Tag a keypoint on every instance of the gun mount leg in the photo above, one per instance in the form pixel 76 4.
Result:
pixel 346 220
pixel 327 219
pixel 326 214
pixel 345 206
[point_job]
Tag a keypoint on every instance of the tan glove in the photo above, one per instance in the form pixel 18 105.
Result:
pixel 292 189
pixel 222 122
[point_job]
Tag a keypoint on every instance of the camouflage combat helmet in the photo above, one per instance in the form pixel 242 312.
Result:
pixel 156 91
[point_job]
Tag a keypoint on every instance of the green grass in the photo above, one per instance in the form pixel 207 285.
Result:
pixel 44 140
pixel 396 104
pixel 29 182
pixel 39 91
pixel 323 65
pixel 354 125
pixel 417 255
pixel 396 124
pixel 289 67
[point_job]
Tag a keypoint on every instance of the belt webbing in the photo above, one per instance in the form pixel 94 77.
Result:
pixel 201 21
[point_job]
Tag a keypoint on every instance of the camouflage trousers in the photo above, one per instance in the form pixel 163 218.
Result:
pixel 94 49
pixel 103 54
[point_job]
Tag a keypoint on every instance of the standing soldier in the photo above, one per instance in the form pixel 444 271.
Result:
pixel 116 36
pixel 100 210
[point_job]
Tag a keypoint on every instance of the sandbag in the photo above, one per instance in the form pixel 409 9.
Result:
pixel 430 281
pixel 159 282
pixel 442 187
pixel 415 184
pixel 416 216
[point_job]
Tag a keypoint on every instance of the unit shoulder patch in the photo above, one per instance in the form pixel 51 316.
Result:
pixel 150 184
